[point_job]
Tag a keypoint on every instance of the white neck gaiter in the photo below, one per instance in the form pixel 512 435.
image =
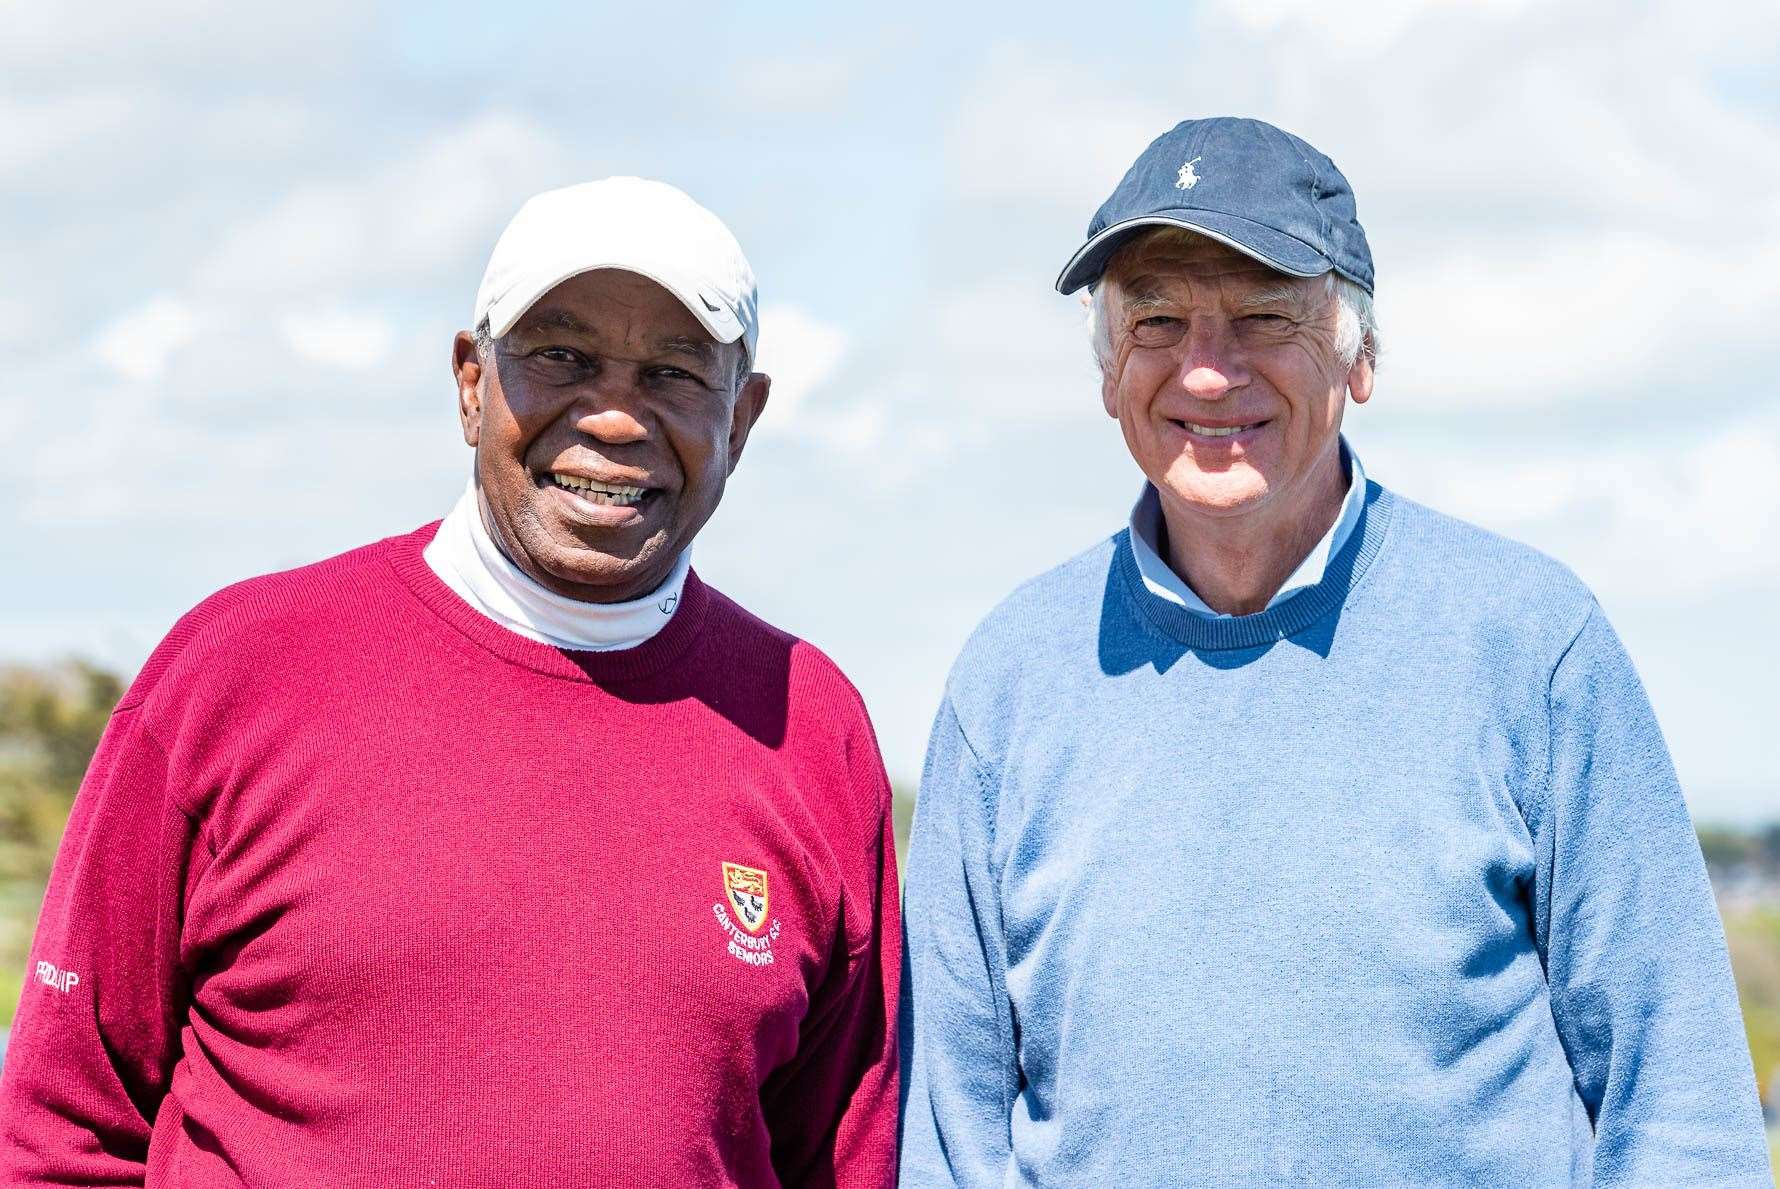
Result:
pixel 467 560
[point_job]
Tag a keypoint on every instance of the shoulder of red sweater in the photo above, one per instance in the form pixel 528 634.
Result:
pixel 812 673
pixel 255 607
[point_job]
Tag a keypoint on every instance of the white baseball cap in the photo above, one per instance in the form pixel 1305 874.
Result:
pixel 641 226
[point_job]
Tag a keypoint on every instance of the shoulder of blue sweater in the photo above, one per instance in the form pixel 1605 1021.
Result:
pixel 1503 593
pixel 1059 610
pixel 1491 579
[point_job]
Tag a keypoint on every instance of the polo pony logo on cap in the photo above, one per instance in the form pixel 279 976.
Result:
pixel 1188 177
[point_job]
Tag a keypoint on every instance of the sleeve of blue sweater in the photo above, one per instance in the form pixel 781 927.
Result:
pixel 1640 978
pixel 959 1065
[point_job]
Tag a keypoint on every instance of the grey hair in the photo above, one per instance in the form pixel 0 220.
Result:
pixel 485 344
pixel 1356 325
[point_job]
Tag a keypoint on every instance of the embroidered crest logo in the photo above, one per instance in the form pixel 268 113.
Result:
pixel 745 923
pixel 1188 177
pixel 745 888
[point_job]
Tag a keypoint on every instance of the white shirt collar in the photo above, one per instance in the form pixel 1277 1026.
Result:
pixel 1164 583
pixel 467 560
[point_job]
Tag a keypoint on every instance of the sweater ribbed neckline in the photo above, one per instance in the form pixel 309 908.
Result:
pixel 1344 573
pixel 600 668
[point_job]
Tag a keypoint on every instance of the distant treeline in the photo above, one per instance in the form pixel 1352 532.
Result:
pixel 50 722
pixel 1752 851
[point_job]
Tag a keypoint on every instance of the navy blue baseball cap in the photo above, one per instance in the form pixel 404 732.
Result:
pixel 1243 183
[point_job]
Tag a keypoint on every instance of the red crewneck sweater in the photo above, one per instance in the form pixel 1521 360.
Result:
pixel 363 889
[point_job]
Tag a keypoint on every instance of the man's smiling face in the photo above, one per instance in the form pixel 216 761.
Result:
pixel 1225 376
pixel 605 424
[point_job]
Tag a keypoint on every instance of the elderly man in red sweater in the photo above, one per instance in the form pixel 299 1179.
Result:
pixel 503 852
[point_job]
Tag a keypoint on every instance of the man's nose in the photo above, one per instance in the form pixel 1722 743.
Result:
pixel 1212 365
pixel 610 412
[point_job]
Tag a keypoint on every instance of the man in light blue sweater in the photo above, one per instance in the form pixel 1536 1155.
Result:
pixel 1299 834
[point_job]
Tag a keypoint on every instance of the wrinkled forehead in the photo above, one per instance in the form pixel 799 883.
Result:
pixel 1170 259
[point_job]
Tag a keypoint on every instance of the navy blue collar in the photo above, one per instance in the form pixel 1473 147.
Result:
pixel 1280 621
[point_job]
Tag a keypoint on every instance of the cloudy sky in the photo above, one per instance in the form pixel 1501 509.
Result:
pixel 234 246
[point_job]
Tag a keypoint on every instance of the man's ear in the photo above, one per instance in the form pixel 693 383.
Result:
pixel 750 402
pixel 1109 388
pixel 466 366
pixel 1359 379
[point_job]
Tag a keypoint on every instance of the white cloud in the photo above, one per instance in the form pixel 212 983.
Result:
pixel 37 131
pixel 1030 132
pixel 142 469
pixel 140 344
pixel 1004 350
pixel 875 448
pixel 349 340
pixel 21 318
pixel 802 85
pixel 1660 519
pixel 107 141
pixel 870 427
pixel 1549 319
pixel 800 352
pixel 1370 24
pixel 418 217
pixel 192 41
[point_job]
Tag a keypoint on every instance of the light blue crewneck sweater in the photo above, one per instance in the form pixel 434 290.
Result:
pixel 1389 884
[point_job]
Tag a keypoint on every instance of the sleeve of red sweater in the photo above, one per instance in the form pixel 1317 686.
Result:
pixel 833 1110
pixel 97 1031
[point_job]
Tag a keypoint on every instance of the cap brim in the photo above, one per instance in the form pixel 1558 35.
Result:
pixel 511 306
pixel 1277 250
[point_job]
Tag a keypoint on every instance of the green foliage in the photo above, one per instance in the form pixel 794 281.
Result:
pixel 1754 936
pixel 903 813
pixel 50 723
pixel 1726 848
pixel 1729 850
